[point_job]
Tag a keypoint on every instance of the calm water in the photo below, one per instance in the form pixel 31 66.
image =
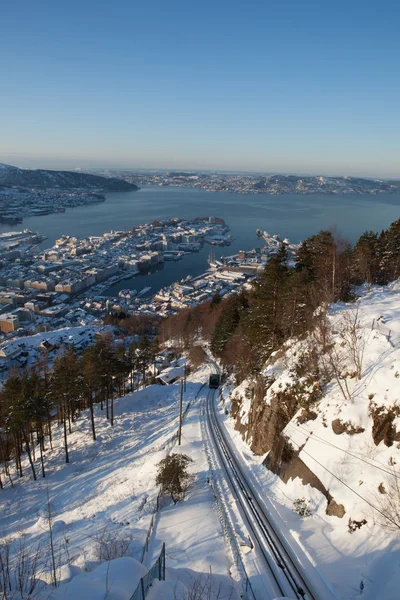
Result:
pixel 292 216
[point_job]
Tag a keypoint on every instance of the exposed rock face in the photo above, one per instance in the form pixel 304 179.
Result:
pixel 265 422
pixel 306 415
pixel 236 409
pixel 340 427
pixel 383 428
pixel 264 425
pixel 285 462
pixel 335 510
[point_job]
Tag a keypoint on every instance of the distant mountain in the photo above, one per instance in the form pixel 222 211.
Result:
pixel 297 184
pixel 253 183
pixel 62 180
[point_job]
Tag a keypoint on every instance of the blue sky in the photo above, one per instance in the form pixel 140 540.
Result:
pixel 308 87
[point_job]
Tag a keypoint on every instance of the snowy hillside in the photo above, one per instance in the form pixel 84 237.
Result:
pixel 338 455
pixel 43 179
pixel 103 502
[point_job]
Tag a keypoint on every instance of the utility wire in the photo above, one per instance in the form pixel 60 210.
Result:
pixel 315 437
pixel 348 487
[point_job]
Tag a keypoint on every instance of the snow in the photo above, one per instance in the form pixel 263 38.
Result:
pixel 180 583
pixel 197 513
pixel 108 489
pixel 16 348
pixel 119 578
pixel 368 559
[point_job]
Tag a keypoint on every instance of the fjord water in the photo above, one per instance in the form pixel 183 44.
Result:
pixel 292 216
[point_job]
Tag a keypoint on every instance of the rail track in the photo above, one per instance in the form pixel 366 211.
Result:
pixel 285 576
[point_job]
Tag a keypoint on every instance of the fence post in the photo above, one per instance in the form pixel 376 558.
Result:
pixel 180 414
pixel 163 561
pixel 142 588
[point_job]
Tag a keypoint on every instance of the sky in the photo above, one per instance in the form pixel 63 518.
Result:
pixel 256 85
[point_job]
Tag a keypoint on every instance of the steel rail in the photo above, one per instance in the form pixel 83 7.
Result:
pixel 257 535
pixel 281 555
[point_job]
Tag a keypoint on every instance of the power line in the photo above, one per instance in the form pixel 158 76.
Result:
pixel 322 441
pixel 349 487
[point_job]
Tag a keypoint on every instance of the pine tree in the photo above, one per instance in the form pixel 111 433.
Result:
pixel 144 355
pixel 324 260
pixel 215 300
pixel 365 259
pixel 66 391
pixel 91 379
pixel 264 324
pixel 232 310
pixel 390 261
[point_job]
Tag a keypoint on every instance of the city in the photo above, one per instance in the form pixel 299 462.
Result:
pixel 64 288
pixel 245 183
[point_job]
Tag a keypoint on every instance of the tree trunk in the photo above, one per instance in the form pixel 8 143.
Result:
pixel 33 445
pixel 16 460
pixel 41 437
pixel 92 419
pixel 41 459
pixel 18 455
pixel 49 426
pixel 28 450
pixel 65 439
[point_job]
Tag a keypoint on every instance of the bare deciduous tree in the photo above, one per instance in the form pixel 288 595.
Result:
pixel 19 567
pixel 205 587
pixel 111 544
pixel 389 503
pixel 354 338
pixel 332 360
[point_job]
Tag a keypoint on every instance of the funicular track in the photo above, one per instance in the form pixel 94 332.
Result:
pixel 284 573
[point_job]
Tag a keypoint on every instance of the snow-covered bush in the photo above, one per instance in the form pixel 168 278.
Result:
pixel 111 544
pixel 302 507
pixel 173 476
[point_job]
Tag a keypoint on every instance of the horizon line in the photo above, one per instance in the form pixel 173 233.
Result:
pixel 208 170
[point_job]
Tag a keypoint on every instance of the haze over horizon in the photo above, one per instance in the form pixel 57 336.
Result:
pixel 295 88
pixel 73 166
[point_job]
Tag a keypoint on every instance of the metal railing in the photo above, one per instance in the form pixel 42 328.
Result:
pixel 169 444
pixel 150 531
pixel 157 571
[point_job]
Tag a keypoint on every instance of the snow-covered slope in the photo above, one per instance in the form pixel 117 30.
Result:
pixel 104 500
pixel 42 179
pixel 109 483
pixel 342 447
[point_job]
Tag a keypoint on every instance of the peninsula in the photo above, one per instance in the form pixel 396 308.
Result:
pixel 26 192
